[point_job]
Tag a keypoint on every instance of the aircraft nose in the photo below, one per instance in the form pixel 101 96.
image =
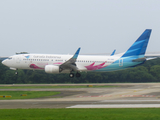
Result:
pixel 4 62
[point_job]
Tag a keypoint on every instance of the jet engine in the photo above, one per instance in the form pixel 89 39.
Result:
pixel 51 69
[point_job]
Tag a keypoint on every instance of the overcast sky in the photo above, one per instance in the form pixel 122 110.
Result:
pixel 61 26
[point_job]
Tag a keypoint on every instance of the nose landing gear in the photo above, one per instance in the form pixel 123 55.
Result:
pixel 16 73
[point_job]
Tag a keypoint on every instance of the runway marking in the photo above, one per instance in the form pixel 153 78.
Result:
pixel 137 95
pixel 119 96
pixel 117 106
pixel 97 96
pixel 119 101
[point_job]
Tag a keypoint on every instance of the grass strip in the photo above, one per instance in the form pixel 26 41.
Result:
pixel 30 94
pixel 34 87
pixel 81 114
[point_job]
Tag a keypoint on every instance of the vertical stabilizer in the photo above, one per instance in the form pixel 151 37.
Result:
pixel 140 45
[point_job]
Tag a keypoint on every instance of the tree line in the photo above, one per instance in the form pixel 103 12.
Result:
pixel 148 72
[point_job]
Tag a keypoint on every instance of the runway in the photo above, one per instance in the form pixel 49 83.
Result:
pixel 123 95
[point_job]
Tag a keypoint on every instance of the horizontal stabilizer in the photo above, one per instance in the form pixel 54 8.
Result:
pixel 139 59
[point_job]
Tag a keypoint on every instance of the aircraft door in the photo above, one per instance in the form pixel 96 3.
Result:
pixel 120 62
pixel 18 59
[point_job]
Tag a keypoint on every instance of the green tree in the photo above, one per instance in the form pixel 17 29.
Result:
pixel 155 71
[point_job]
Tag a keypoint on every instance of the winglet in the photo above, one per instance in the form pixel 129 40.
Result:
pixel 113 52
pixel 76 54
pixel 71 62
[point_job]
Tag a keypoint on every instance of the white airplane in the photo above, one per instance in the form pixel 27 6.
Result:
pixel 56 63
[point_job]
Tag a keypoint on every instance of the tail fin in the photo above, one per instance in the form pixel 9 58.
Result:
pixel 140 45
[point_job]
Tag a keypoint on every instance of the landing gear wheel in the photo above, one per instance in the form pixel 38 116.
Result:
pixel 71 75
pixel 78 74
pixel 16 73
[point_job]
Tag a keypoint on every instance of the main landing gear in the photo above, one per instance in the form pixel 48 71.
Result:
pixel 71 75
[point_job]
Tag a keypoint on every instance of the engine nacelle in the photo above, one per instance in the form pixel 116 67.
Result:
pixel 51 69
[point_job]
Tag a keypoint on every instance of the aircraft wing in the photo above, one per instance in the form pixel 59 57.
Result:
pixel 70 64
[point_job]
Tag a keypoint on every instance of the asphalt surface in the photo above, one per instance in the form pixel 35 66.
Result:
pixel 123 95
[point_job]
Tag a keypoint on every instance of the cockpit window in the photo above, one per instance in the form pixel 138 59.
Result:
pixel 10 58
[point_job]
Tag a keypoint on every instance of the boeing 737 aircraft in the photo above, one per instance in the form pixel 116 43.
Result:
pixel 55 63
